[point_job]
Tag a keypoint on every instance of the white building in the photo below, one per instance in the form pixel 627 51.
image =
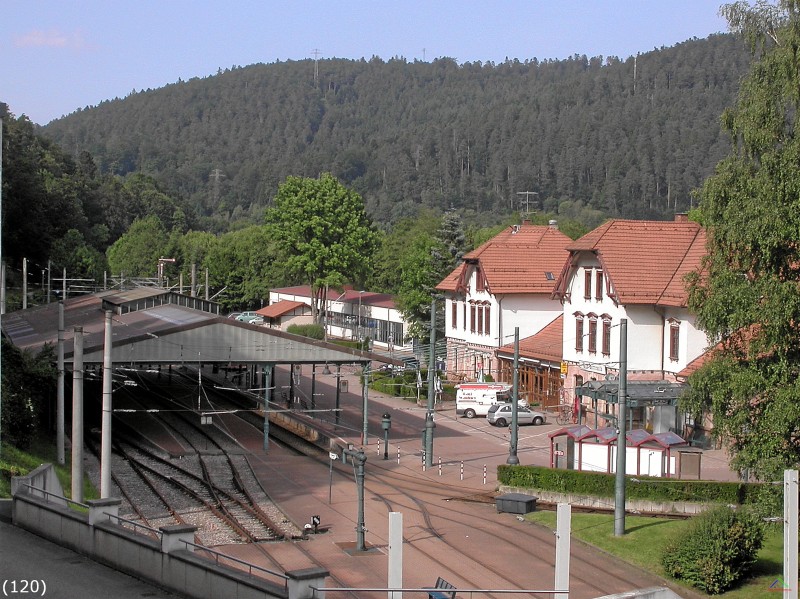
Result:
pixel 633 270
pixel 352 314
pixel 505 283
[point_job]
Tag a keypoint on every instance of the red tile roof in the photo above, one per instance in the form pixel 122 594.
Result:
pixel 546 345
pixel 347 295
pixel 644 260
pixel 280 308
pixel 516 260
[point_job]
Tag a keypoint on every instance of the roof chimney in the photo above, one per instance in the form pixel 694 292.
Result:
pixel 526 222
pixel 681 217
pixel 553 223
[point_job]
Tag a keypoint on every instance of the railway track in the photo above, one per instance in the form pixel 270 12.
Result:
pixel 210 485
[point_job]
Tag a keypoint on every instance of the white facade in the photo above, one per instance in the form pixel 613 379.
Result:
pixel 479 322
pixel 653 347
pixel 356 315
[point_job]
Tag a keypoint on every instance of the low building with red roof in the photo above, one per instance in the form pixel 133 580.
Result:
pixel 353 314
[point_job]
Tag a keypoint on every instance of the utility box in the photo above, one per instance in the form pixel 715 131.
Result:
pixel 515 503
pixel 344 385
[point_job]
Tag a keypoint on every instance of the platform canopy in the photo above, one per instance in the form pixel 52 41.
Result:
pixel 640 393
pixel 163 327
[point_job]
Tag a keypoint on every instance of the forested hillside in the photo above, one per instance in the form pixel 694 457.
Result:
pixel 590 136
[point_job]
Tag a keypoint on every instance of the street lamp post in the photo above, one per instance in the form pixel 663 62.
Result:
pixel 360 293
pixel 386 423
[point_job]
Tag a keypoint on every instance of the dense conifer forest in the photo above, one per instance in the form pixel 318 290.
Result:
pixel 587 138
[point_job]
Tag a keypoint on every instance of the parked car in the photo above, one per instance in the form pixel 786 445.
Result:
pixel 250 317
pixel 500 415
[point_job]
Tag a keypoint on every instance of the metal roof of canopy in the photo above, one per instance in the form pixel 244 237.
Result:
pixel 640 393
pixel 158 331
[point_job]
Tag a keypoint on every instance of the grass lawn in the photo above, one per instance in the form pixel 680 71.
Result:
pixel 645 539
pixel 14 462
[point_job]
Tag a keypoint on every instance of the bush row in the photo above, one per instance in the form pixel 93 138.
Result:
pixel 599 484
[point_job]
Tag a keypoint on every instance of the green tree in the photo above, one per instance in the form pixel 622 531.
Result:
pixel 79 258
pixel 748 297
pixel 28 383
pixel 244 264
pixel 418 279
pixel 136 253
pixel 394 245
pixel 323 234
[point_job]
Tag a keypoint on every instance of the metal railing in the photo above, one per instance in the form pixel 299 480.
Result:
pixel 250 567
pixel 425 590
pixel 48 494
pixel 136 525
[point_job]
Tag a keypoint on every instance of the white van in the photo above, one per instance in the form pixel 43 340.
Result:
pixel 475 399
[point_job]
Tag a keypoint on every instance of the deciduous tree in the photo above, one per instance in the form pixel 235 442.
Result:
pixel 748 298
pixel 323 233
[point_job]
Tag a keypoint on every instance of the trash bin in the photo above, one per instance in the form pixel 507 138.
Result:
pixel 344 385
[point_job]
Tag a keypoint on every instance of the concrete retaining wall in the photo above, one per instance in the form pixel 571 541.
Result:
pixel 155 560
pixel 631 505
pixel 651 593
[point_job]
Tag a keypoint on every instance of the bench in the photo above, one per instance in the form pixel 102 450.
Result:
pixel 442 590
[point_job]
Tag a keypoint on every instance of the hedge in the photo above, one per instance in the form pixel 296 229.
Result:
pixel 599 484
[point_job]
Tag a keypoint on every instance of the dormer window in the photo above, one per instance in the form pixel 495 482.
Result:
pixel 674 339
pixel 598 288
pixel 480 281
pixel 587 283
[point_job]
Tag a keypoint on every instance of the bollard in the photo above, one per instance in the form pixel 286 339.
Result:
pixel 462 469
pixel 484 474
pixel 440 466
pixel 398 454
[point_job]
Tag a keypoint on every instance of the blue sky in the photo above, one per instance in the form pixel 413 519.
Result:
pixel 61 55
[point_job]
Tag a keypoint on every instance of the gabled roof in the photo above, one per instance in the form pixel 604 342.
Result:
pixel 517 260
pixel 168 332
pixel 544 346
pixel 644 261
pixel 280 308
pixel 346 296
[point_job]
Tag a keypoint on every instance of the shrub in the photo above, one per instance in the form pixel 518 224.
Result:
pixel 315 331
pixel 716 551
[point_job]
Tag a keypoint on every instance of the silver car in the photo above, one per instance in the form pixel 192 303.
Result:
pixel 500 415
